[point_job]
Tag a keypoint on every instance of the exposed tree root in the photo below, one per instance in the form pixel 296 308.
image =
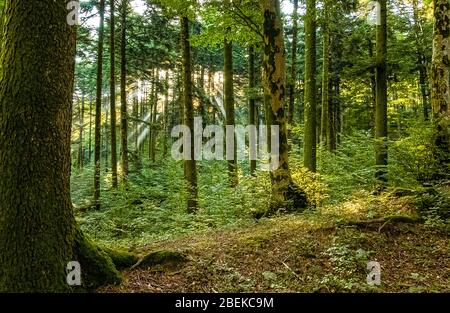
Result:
pixel 97 268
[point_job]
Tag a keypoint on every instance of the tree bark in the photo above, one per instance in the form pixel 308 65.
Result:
pixel 325 136
pixel 98 106
pixel 310 147
pixel 229 109
pixel 285 194
pixel 252 102
pixel 381 130
pixel 112 94
pixel 440 81
pixel 190 166
pixel 38 232
pixel 292 84
pixel 123 92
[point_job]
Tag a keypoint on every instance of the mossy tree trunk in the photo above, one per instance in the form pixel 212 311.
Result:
pixel 38 232
pixel 112 93
pixel 285 194
pixel 190 166
pixel 310 140
pixel 293 83
pixel 229 109
pixel 98 106
pixel 123 90
pixel 440 81
pixel 381 127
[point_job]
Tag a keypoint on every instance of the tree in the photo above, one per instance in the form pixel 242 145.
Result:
pixel 440 80
pixel 285 194
pixel 112 94
pixel 229 108
pixel 123 90
pixel 98 106
pixel 325 127
pixel 38 232
pixel 381 129
pixel 252 103
pixel 190 165
pixel 292 85
pixel 310 141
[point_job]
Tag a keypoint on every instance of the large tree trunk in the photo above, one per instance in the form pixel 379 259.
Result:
pixel 310 140
pixel 293 83
pixel 112 84
pixel 190 166
pixel 123 91
pixel 229 110
pixel 38 232
pixel 440 81
pixel 381 129
pixel 285 194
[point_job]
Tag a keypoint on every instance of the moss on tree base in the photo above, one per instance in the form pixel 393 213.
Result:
pixel 97 267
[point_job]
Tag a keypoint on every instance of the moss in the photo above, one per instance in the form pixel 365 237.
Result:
pixel 121 259
pixel 162 258
pixel 97 267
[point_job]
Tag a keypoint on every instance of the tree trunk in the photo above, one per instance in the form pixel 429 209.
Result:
pixel 421 61
pixel 229 110
pixel 38 232
pixel 154 116
pixel 123 92
pixel 325 136
pixel 381 130
pixel 440 81
pixel 166 114
pixel 98 106
pixel 252 101
pixel 80 147
pixel 285 194
pixel 292 83
pixel 310 148
pixel 112 84
pixel 190 166
pixel 90 128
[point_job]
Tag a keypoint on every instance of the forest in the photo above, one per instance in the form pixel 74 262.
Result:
pixel 225 146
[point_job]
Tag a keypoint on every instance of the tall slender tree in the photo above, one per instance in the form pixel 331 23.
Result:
pixel 123 89
pixel 381 129
pixel 229 108
pixel 310 140
pixel 190 165
pixel 325 127
pixel 112 91
pixel 98 105
pixel 293 83
pixel 252 101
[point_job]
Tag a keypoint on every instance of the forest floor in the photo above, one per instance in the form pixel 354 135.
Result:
pixel 314 251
